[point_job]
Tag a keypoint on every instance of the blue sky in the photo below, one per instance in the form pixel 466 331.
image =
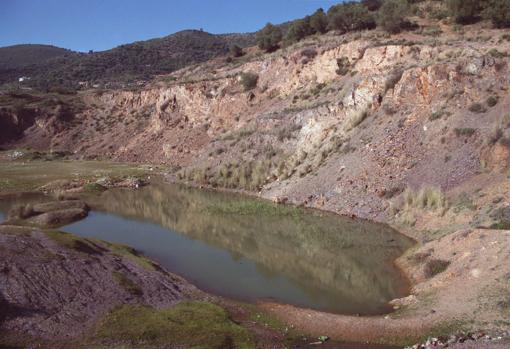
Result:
pixel 83 25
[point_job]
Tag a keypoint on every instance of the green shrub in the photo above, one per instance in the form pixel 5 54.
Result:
pixel 299 29
pixel 269 38
pixel 372 5
pixel 426 198
pixel 250 175
pixel 350 16
pixel 501 225
pixel 319 21
pixel 434 267
pixel 494 52
pixel 127 284
pixel 392 15
pixel 236 51
pixel 437 114
pixel 249 80
pixel 93 187
pixel 343 66
pixel 498 11
pixel 505 121
pixel 464 11
pixel 477 108
pixel 464 131
pixel 492 101
pixel 309 53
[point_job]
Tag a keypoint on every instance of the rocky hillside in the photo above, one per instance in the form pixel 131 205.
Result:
pixel 352 123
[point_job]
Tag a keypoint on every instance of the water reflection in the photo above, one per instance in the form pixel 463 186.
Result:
pixel 229 245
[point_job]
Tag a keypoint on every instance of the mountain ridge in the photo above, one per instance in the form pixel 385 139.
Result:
pixel 140 60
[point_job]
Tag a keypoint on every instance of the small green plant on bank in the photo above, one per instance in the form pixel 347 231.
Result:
pixel 343 66
pixel 477 108
pixel 127 284
pixel 426 198
pixel 248 80
pixel 464 131
pixel 492 101
pixel 188 324
pixel 434 267
pixel 250 175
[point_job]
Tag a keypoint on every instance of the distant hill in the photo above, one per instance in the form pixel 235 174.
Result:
pixel 22 55
pixel 125 63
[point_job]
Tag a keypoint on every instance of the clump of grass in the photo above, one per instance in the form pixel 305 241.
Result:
pixel 287 132
pixel 251 175
pixel 127 284
pixel 494 52
pixel 238 134
pixel 76 243
pixel 505 121
pixel 464 131
pixel 477 108
pixel 426 198
pixel 436 115
pixel 492 101
pixel 254 207
pixel 317 89
pixel 356 118
pixel 393 191
pixel 309 53
pixel 434 267
pixel 343 65
pixel 93 188
pixel 188 324
pixel 248 80
pixel 501 225
pixel 464 201
pixel 419 258
pixel 132 255
pixel 496 134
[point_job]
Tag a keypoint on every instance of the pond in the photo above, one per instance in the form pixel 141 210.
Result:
pixel 249 249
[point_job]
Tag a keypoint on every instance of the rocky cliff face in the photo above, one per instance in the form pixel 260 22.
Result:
pixel 344 123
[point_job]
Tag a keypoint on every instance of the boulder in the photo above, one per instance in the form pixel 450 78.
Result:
pixel 58 218
pixel 59 205
pixel 48 215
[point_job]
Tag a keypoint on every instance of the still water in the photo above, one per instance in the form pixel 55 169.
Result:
pixel 250 250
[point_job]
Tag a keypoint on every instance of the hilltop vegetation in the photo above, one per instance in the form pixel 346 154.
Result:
pixel 390 15
pixel 17 56
pixel 124 64
pixel 136 63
